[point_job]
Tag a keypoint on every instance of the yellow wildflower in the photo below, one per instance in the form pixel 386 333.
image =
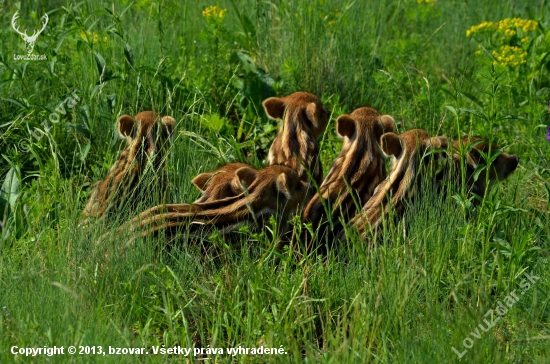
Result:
pixel 92 37
pixel 506 26
pixel 483 27
pixel 332 17
pixel 510 32
pixel 214 13
pixel 479 50
pixel 509 56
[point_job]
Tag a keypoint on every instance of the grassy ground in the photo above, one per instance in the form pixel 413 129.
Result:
pixel 423 288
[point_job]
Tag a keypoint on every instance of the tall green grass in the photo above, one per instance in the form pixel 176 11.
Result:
pixel 420 289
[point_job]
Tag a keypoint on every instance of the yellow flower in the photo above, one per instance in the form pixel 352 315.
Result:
pixel 479 50
pixel 483 27
pixel 530 26
pixel 506 26
pixel 332 17
pixel 214 13
pixel 509 56
pixel 92 37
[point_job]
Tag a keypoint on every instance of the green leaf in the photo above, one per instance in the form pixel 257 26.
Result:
pixel 471 97
pixel 474 112
pixel 494 155
pixel 478 170
pixel 61 39
pixel 11 187
pixel 246 62
pixel 22 106
pixel 248 27
pixel 81 46
pixel 100 63
pixel 129 54
pixel 451 109
pixel 84 152
pixel 213 121
pixel 512 117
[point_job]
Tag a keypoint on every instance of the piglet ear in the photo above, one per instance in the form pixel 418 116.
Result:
pixel 169 123
pixel 201 180
pixel 274 107
pixel 439 142
pixel 282 185
pixel 345 126
pixel 125 126
pixel 443 142
pixel 313 113
pixel 391 144
pixel 388 124
pixel 244 177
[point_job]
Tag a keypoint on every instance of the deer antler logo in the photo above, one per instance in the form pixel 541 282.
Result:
pixel 30 40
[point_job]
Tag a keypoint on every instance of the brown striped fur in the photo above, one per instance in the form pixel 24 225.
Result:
pixel 304 120
pixel 473 149
pixel 147 137
pixel 356 172
pixel 409 150
pixel 226 181
pixel 277 191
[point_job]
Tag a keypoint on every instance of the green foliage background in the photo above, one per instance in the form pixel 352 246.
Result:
pixel 420 291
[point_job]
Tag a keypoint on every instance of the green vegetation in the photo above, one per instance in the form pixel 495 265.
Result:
pixel 419 291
